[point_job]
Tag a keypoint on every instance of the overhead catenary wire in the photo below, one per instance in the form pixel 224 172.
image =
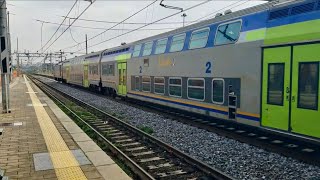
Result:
pixel 163 19
pixel 59 25
pixel 136 29
pixel 101 28
pixel 199 4
pixel 72 36
pixel 142 23
pixel 114 25
pixel 76 14
pixel 129 23
pixel 70 25
pixel 210 14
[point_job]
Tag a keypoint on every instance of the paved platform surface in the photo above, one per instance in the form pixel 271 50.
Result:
pixel 39 141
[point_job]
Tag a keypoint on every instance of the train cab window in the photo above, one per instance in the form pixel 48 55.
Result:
pixel 137 83
pixel 161 46
pixel 136 50
pixel 199 38
pixel 159 85
pixel 175 87
pixel 308 85
pixel 146 84
pixel 228 33
pixel 218 91
pixel 177 42
pixel 147 49
pixel 196 89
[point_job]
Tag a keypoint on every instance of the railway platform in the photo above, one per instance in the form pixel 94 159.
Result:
pixel 39 141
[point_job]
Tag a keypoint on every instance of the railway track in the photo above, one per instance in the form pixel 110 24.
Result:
pixel 287 145
pixel 294 147
pixel 146 156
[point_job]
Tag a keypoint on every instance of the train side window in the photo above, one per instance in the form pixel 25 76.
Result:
pixel 161 46
pixel 199 38
pixel 218 91
pixel 137 83
pixel 91 70
pixel 228 33
pixel 175 87
pixel 146 62
pixel 275 83
pixel 104 69
pixel 111 69
pixel 308 85
pixel 108 69
pixel 196 89
pixel 95 69
pixel 147 49
pixel 159 85
pixel 136 50
pixel 177 42
pixel 146 84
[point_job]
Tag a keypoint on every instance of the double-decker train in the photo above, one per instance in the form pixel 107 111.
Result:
pixel 258 66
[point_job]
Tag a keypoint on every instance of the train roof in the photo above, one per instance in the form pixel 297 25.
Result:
pixel 227 17
pixel 275 4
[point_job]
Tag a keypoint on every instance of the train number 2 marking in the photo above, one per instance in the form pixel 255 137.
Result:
pixel 208 66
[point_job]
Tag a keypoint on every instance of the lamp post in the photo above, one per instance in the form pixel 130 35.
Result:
pixel 184 15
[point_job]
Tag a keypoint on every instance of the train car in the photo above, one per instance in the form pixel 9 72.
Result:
pixel 65 71
pixel 57 71
pixel 114 70
pixel 75 70
pixel 92 70
pixel 258 66
pixel 103 71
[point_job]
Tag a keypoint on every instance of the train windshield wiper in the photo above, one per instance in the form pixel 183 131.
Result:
pixel 226 35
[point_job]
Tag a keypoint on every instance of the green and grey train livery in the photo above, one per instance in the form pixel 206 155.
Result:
pixel 258 66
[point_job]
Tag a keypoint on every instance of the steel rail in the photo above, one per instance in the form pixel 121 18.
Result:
pixel 129 162
pixel 213 172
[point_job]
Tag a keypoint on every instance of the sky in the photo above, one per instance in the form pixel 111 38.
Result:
pixel 25 17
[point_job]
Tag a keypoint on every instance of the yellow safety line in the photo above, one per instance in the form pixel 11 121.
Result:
pixel 64 163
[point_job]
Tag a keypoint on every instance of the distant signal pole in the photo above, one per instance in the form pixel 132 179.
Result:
pixel 86 44
pixel 18 63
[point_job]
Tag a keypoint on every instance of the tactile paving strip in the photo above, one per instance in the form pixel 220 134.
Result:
pixel 65 164
pixel 70 173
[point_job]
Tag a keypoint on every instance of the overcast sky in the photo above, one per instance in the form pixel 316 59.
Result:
pixel 24 24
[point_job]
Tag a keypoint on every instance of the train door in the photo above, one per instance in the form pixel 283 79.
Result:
pixel 290 89
pixel 85 75
pixel 305 114
pixel 276 88
pixel 122 87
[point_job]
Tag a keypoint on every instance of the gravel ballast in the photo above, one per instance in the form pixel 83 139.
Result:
pixel 237 159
